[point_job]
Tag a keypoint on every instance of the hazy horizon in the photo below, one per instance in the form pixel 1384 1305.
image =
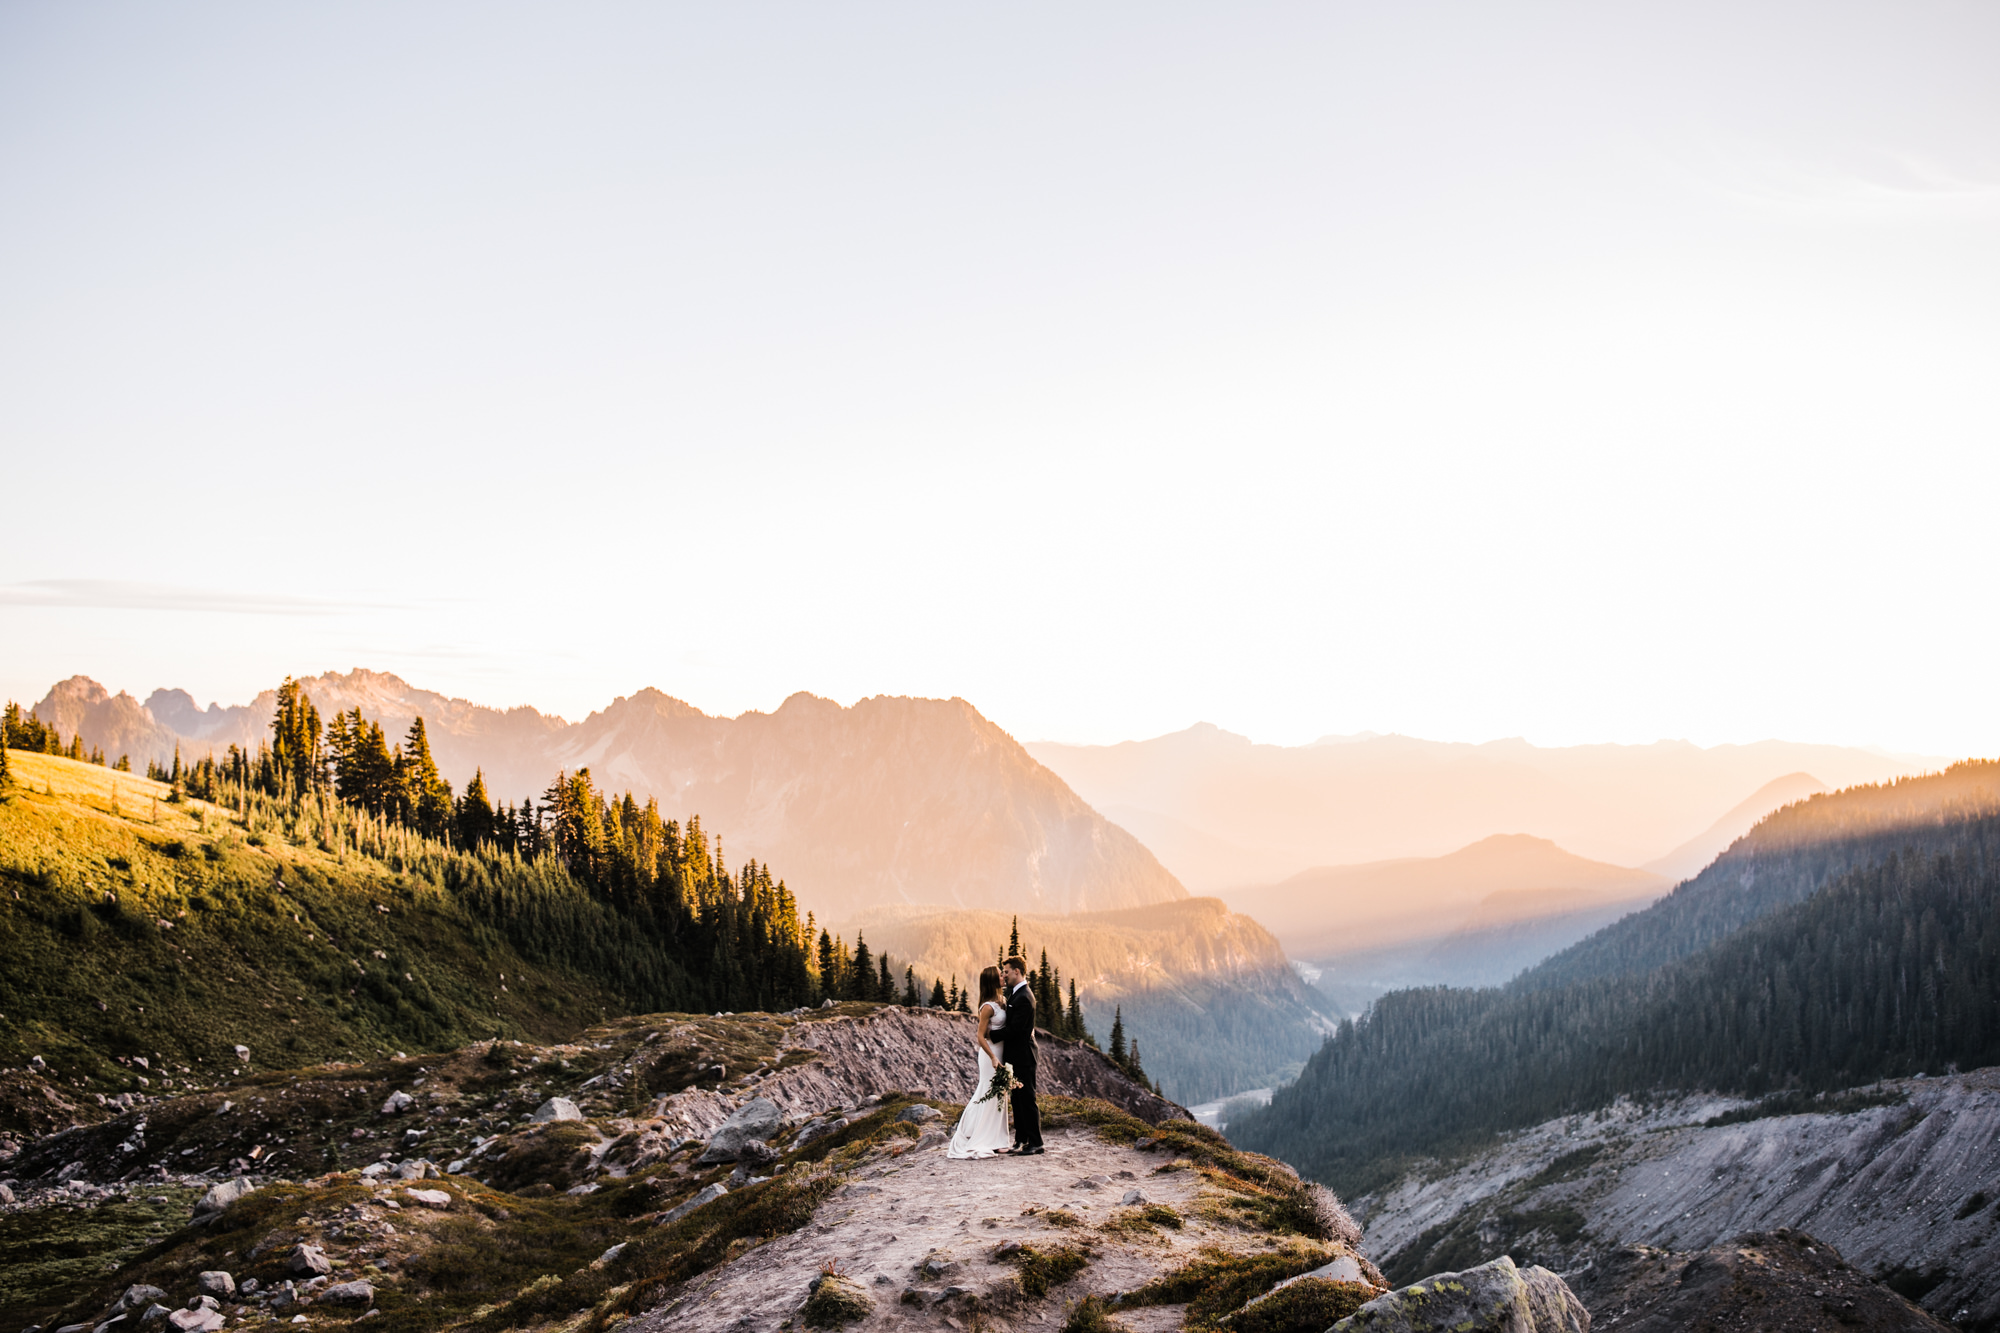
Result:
pixel 1579 374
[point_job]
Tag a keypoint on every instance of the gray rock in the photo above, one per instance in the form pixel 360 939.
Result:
pixel 756 1152
pixel 137 1295
pixel 6 1194
pixel 221 1196
pixel 935 1267
pixel 398 1103
pixel 918 1114
pixel 203 1302
pixel 375 1169
pixel 1135 1199
pixel 429 1198
pixel 457 1168
pixel 154 1314
pixel 708 1194
pixel 349 1293
pixel 243 1054
pixel 249 1287
pixel 758 1118
pixel 216 1283
pixel 818 1129
pixel 1087 1183
pixel 556 1108
pixel 195 1321
pixel 108 1325
pixel 611 1254
pixel 1495 1297
pixel 308 1261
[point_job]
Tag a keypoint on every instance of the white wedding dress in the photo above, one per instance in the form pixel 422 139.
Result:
pixel 983 1130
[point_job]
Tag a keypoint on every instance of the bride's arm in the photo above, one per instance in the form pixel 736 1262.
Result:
pixel 985 1018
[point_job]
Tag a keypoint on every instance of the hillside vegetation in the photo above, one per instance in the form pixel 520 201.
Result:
pixel 135 923
pixel 1892 968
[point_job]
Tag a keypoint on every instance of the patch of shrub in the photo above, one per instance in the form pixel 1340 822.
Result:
pixel 1310 1305
pixel 1040 1269
pixel 1217 1282
pixel 1089 1316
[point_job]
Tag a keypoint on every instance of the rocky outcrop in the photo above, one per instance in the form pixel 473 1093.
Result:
pixel 1495 1297
pixel 1907 1188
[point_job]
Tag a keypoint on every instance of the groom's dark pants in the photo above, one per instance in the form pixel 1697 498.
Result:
pixel 1027 1116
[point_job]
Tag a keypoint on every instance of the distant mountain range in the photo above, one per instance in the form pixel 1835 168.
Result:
pixel 1223 813
pixel 893 800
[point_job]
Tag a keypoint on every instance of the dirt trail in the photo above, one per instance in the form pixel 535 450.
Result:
pixel 892 1217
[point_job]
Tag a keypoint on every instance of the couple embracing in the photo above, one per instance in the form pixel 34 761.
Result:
pixel 1006 1037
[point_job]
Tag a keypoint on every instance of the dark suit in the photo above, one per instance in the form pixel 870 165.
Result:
pixel 1017 1048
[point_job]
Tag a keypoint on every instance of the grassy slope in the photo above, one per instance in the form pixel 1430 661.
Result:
pixel 279 947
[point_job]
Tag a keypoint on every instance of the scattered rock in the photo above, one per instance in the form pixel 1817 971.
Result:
pixel 375 1169
pixel 154 1314
pixel 457 1168
pixel 429 1198
pixel 243 1054
pixel 756 1152
pixel 556 1108
pixel 603 1260
pixel 1135 1199
pixel 217 1284
pixel 349 1293
pixel 398 1103
pixel 836 1300
pixel 194 1321
pixel 221 1196
pixel 1495 1297
pixel 918 1115
pixel 203 1301
pixel 938 1266
pixel 818 1129
pixel 6 1195
pixel 708 1194
pixel 308 1261
pixel 136 1295
pixel 1088 1183
pixel 758 1118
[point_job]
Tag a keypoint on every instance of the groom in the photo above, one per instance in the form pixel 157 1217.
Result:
pixel 1017 1048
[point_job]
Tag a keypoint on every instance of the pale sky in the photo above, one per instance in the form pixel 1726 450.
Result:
pixel 1583 372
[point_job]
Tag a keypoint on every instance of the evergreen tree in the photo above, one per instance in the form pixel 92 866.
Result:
pixel 426 795
pixel 1075 1016
pixel 1013 941
pixel 474 817
pixel 939 999
pixel 295 739
pixel 885 985
pixel 6 770
pixel 861 983
pixel 951 1000
pixel 1134 1066
pixel 829 968
pixel 910 997
pixel 1118 1037
pixel 965 1002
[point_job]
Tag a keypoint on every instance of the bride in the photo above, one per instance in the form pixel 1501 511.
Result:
pixel 982 1129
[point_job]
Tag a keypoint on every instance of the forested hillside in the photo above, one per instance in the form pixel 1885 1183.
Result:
pixel 1785 859
pixel 1893 968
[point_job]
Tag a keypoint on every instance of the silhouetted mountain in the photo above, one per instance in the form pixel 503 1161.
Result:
pixel 118 724
pixel 1333 911
pixel 1222 812
pixel 1693 856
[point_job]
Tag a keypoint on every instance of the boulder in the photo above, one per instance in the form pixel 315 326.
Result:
pixel 195 1321
pixel 428 1198
pixel 137 1295
pixel 154 1314
pixel 758 1118
pixel 1135 1199
pixel 349 1293
pixel 6 1193
pixel 221 1196
pixel 1495 1297
pixel 818 1129
pixel 217 1284
pixel 756 1152
pixel 374 1169
pixel 709 1194
pixel 836 1300
pixel 918 1114
pixel 556 1108
pixel 398 1103
pixel 308 1261
pixel 203 1302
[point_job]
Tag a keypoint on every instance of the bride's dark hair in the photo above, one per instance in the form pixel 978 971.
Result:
pixel 989 985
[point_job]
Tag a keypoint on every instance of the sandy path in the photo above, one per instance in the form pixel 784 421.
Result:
pixel 893 1215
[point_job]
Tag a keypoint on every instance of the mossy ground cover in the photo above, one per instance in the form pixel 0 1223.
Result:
pixel 52 1256
pixel 1309 1305
pixel 1040 1267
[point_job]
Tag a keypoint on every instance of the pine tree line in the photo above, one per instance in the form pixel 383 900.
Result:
pixel 21 730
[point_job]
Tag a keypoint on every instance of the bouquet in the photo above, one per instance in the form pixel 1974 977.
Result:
pixel 1002 1083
